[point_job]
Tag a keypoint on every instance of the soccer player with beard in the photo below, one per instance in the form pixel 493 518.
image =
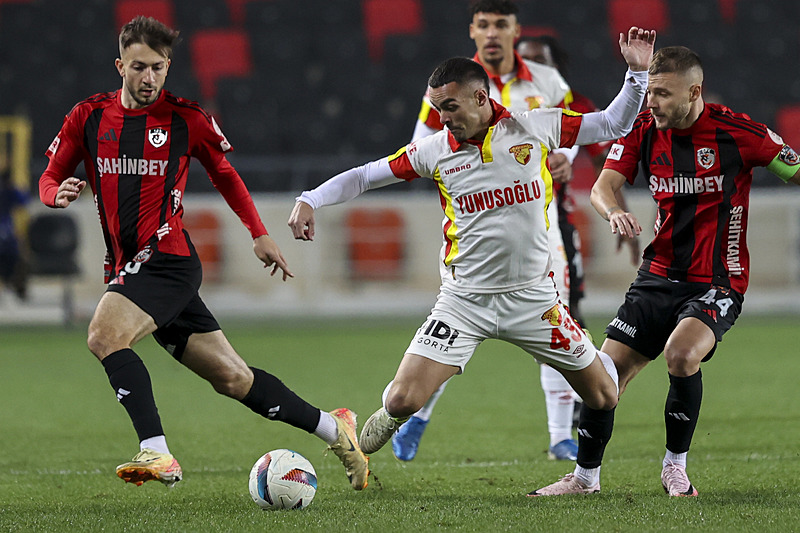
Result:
pixel 698 159
pixel 136 144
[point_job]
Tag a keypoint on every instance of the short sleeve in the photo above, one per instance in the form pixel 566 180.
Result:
pixel 623 155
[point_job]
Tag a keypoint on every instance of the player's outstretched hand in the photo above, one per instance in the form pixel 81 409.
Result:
pixel 624 224
pixel 267 250
pixel 68 191
pixel 637 48
pixel 301 221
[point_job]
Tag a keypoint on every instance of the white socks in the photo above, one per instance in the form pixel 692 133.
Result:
pixel 559 399
pixel 327 429
pixel 157 444
pixel 589 477
pixel 427 409
pixel 675 458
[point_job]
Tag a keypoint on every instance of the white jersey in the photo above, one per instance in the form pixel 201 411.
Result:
pixel 495 196
pixel 531 86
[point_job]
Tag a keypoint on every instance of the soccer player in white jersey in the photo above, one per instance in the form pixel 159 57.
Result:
pixel 489 166
pixel 518 85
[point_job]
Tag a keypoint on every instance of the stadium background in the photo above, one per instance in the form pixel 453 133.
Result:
pixel 304 90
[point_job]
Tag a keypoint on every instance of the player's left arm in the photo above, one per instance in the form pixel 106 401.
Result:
pixel 617 119
pixel 786 165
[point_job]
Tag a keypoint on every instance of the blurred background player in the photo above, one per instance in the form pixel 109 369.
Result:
pixel 136 144
pixel 698 159
pixel 518 85
pixel 546 50
pixel 13 268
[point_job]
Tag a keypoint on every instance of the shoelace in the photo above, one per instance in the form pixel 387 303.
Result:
pixel 676 477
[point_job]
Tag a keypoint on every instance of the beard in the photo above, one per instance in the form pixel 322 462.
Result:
pixel 141 99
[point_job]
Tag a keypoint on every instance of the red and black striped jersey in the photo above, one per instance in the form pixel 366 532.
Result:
pixel 137 162
pixel 700 179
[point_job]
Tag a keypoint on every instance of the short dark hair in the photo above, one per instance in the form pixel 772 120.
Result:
pixel 501 7
pixel 560 56
pixel 149 31
pixel 674 59
pixel 461 70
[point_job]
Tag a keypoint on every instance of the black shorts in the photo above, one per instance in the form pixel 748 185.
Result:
pixel 165 286
pixel 654 305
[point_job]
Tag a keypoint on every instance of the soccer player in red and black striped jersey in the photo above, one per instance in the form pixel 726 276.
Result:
pixel 135 145
pixel 697 159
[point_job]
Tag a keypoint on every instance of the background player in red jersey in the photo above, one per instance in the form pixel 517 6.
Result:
pixel 698 159
pixel 136 144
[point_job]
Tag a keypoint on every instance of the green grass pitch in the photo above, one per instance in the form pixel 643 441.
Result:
pixel 62 433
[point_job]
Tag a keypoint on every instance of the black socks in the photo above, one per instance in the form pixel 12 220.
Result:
pixel 270 398
pixel 594 432
pixel 682 410
pixel 131 383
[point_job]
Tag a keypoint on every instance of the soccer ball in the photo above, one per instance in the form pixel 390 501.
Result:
pixel 283 479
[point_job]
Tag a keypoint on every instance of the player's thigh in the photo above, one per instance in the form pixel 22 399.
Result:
pixel 117 323
pixel 418 377
pixel 690 342
pixel 456 326
pixel 536 321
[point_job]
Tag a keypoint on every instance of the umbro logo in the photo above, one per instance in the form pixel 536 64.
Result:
pixel 273 411
pixel 110 135
pixel 663 159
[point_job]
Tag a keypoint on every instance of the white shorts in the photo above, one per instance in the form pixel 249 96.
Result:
pixel 533 319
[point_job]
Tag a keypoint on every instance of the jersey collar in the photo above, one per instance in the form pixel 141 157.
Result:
pixel 498 112
pixel 142 110
pixel 522 72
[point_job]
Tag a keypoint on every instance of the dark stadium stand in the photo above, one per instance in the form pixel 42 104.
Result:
pixel 343 80
pixel 163 10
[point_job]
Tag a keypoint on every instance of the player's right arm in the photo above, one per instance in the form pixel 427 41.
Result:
pixel 406 164
pixel 57 186
pixel 67 192
pixel 339 189
pixel 604 200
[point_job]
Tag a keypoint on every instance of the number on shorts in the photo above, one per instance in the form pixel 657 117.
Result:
pixel 723 304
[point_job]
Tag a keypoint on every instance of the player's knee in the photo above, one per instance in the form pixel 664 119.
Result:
pixel 233 382
pixel 602 400
pixel 682 361
pixel 400 403
pixel 98 343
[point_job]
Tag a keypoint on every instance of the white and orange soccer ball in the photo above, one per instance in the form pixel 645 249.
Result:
pixel 283 479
